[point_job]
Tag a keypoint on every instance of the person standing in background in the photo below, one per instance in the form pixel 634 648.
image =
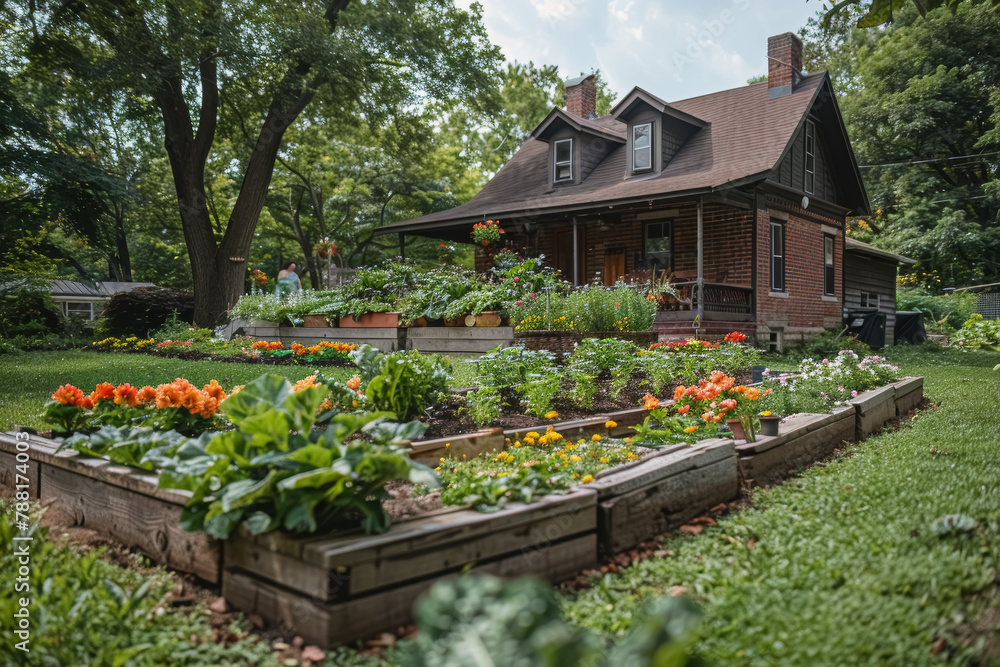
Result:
pixel 288 281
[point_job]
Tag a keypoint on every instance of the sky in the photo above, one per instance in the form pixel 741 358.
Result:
pixel 675 49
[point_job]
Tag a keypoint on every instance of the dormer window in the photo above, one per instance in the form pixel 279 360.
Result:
pixel 642 147
pixel 562 166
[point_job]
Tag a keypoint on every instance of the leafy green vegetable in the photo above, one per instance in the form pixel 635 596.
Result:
pixel 275 471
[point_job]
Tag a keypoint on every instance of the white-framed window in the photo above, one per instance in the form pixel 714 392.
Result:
pixel 642 147
pixel 809 163
pixel 777 256
pixel 658 244
pixel 562 164
pixel 870 300
pixel 84 309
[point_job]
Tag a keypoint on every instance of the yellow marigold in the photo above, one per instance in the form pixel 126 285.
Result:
pixel 531 434
pixel 610 424
pixel 552 414
pixel 587 479
pixel 604 459
pixel 517 443
pixel 596 437
pixel 326 405
pixel 691 429
pixel 575 458
pixel 766 413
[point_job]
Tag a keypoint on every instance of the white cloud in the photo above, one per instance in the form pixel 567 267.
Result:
pixel 554 10
pixel 620 14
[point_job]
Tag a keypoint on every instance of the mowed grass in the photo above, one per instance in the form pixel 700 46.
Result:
pixel 28 379
pixel 843 565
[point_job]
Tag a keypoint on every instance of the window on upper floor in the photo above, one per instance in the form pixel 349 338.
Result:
pixel 809 163
pixel 562 163
pixel 642 147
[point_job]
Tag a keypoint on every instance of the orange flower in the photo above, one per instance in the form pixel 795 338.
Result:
pixel 103 390
pixel 67 394
pixel 678 392
pixel 298 349
pixel 147 395
pixel 305 383
pixel 126 394
pixel 728 404
pixel 85 402
pixel 683 410
pixel 650 402
pixel 354 383
pixel 215 391
pixel 691 429
pixel 753 393
pixel 237 389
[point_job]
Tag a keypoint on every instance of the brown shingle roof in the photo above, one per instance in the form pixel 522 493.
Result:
pixel 745 136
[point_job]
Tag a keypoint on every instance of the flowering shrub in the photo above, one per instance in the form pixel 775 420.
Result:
pixel 177 405
pixel 537 465
pixel 487 232
pixel 129 344
pixel 259 278
pixel 698 408
pixel 820 385
pixel 590 308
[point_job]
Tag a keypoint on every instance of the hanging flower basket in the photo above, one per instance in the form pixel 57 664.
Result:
pixel 486 233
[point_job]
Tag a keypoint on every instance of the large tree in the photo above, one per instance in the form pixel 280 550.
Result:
pixel 921 102
pixel 190 60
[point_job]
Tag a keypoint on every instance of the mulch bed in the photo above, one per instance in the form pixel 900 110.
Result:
pixel 452 419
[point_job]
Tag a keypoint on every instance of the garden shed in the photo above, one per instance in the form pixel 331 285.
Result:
pixel 75 298
pixel 870 281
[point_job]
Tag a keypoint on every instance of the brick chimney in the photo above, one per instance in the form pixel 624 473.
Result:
pixel 784 63
pixel 581 96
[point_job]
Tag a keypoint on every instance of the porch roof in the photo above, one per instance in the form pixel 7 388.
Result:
pixel 853 245
pixel 744 137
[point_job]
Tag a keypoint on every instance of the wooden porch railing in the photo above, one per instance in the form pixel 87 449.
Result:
pixel 722 302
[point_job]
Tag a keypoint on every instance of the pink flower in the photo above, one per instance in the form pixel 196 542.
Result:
pixel 520 303
pixel 840 388
pixel 854 394
pixel 532 295
pixel 516 279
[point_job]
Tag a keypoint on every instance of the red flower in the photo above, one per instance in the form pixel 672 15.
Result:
pixel 126 394
pixel 67 394
pixel 103 390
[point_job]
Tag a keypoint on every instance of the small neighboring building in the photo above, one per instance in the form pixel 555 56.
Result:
pixel 740 197
pixel 870 281
pixel 75 298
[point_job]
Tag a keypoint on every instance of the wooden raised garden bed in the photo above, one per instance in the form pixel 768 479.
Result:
pixel 801 440
pixel 337 588
pixel 116 501
pixel 564 342
pixel 638 501
pixel 909 394
pixel 874 408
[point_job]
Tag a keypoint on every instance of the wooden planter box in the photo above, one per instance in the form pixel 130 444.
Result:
pixel 119 502
pixel 470 444
pixel 340 588
pixel 909 394
pixel 801 440
pixel 564 342
pixel 874 408
pixel 639 501
pixel 381 320
pixel 316 321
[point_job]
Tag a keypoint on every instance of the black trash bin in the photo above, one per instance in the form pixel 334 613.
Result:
pixel 910 327
pixel 868 326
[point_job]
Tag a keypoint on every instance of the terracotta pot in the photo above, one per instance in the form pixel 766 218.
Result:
pixel 371 320
pixel 316 321
pixel 488 319
pixel 737 428
pixel 769 425
pixel 455 321
pixel 419 322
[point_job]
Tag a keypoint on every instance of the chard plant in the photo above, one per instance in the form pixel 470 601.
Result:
pixel 276 472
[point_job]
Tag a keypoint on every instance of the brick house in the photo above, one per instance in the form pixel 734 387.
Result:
pixel 740 197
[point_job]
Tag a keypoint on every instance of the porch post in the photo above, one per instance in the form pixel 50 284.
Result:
pixel 402 246
pixel 701 265
pixel 576 255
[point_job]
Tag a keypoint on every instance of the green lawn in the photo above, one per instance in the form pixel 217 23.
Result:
pixel 28 379
pixel 844 564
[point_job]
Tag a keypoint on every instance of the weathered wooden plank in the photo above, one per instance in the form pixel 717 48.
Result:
pixel 793 428
pixel 700 455
pixel 442 530
pixel 665 450
pixel 134 519
pixel 9 476
pixel 469 444
pixel 774 464
pixel 634 517
pixel 874 409
pixel 909 394
pixel 328 624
